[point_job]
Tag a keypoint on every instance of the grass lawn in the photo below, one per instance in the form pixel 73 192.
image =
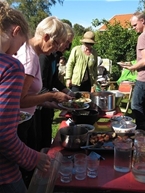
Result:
pixel 56 121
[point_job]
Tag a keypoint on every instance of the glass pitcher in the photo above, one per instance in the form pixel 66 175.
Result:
pixel 138 162
pixel 45 182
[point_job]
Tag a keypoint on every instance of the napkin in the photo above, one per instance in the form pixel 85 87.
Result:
pixel 95 155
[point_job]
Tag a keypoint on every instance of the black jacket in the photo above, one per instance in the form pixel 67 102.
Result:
pixel 48 64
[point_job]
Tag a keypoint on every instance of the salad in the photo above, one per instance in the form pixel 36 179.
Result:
pixel 73 104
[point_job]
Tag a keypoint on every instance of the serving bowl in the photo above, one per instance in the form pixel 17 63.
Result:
pixel 118 119
pixel 85 116
pixel 73 137
pixel 125 127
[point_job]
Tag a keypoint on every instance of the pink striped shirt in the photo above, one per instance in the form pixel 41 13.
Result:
pixel 13 153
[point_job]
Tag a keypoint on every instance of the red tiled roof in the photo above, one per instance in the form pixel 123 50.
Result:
pixel 118 18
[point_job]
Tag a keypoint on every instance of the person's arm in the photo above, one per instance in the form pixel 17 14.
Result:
pixel 139 64
pixel 32 69
pixel 31 100
pixel 28 100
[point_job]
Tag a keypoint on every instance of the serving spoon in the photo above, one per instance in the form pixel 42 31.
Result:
pixel 96 145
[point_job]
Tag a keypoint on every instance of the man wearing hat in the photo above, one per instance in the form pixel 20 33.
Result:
pixel 81 68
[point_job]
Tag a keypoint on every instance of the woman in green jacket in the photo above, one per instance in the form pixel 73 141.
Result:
pixel 81 68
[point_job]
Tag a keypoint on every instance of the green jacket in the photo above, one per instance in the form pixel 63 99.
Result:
pixel 77 64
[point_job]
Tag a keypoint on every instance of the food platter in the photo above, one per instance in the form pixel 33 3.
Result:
pixel 101 140
pixel 24 116
pixel 84 106
pixel 104 140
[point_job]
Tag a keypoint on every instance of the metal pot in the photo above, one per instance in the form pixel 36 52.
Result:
pixel 104 99
pixel 73 137
pixel 118 97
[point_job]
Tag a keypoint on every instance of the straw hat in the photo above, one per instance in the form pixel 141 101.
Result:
pixel 89 37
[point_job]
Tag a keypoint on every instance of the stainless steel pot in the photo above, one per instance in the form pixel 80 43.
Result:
pixel 104 99
pixel 118 97
pixel 73 137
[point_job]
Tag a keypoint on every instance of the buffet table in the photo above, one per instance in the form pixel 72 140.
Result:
pixel 108 179
pixel 103 122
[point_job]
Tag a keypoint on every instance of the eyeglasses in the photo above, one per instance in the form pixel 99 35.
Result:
pixel 56 43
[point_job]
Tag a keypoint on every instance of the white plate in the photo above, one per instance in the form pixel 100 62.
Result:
pixel 86 106
pixel 124 64
pixel 120 63
pixel 24 116
pixel 88 101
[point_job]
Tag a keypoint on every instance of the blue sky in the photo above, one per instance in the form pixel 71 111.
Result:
pixel 84 11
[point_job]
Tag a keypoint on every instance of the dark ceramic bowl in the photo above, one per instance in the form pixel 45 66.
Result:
pixel 85 116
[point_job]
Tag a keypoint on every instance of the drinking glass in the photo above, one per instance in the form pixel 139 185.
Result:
pixel 66 170
pixel 80 166
pixel 92 166
pixel 122 154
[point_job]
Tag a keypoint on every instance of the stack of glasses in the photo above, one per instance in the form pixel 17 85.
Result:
pixel 80 165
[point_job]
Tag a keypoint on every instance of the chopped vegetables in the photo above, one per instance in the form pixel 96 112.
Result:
pixel 82 97
pixel 73 104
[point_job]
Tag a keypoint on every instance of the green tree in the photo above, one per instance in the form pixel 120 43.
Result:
pixel 117 44
pixel 78 29
pixel 66 21
pixel 141 5
pixel 96 22
pixel 75 42
pixel 34 10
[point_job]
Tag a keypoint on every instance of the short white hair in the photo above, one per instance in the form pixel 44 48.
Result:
pixel 52 26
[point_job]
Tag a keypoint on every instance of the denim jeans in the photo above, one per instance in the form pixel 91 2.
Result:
pixel 138 103
pixel 15 187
